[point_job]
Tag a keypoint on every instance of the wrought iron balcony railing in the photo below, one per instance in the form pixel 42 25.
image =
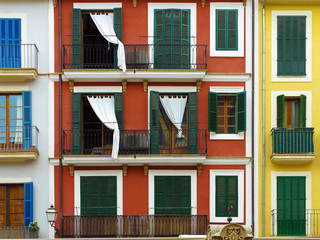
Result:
pixel 295 222
pixel 98 142
pixel 17 233
pixel 19 138
pixel 19 56
pixel 133 226
pixel 138 56
pixel 292 141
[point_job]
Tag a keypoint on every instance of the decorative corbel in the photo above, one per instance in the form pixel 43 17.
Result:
pixel 54 3
pixel 203 3
pixel 71 170
pixel 199 85
pixel 145 85
pixel 125 169
pixel 199 168
pixel 145 169
pixel 71 85
pixel 124 85
pixel 134 3
pixel 244 3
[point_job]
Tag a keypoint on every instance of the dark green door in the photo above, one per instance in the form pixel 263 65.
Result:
pixel 172 39
pixel 98 195
pixel 173 195
pixel 291 206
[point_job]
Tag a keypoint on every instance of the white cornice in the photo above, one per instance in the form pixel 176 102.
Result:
pixel 227 77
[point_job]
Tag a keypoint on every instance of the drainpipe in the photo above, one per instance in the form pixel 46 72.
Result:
pixel 252 130
pixel 263 117
pixel 60 121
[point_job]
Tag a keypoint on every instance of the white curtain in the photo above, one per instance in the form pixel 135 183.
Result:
pixel 104 109
pixel 174 108
pixel 104 23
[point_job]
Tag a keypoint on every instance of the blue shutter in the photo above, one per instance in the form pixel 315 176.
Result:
pixel 28 203
pixel 27 123
pixel 10 40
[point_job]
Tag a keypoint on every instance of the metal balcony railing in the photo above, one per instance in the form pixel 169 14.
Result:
pixel 133 226
pixel 19 138
pixel 292 140
pixel 17 233
pixel 98 142
pixel 295 222
pixel 138 56
pixel 19 56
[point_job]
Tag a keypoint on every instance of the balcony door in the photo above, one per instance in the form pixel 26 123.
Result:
pixel 291 206
pixel 172 39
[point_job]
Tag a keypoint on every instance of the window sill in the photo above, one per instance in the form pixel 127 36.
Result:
pixel 222 136
pixel 224 219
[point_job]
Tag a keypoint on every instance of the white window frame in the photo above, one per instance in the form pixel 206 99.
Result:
pixel 241 187
pixel 191 173
pixel 227 136
pixel 274 175
pixel 274 47
pixel 227 6
pixel 97 5
pixel 274 107
pixel 92 173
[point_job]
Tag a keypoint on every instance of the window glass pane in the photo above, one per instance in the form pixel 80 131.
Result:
pixel 176 17
pixel 15 100
pixel 2 113
pixel 2 101
pixel 15 113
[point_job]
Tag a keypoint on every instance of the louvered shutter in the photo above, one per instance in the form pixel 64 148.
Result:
pixel 303 110
pixel 76 123
pixel 118 97
pixel 241 111
pixel 76 38
pixel 193 122
pixel 212 111
pixel 27 119
pixel 280 111
pixel 232 39
pixel 28 203
pixel 226 29
pixel 117 22
pixel 226 195
pixel 154 122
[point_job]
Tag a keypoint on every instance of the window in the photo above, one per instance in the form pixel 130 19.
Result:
pixel 291 111
pixel 16 204
pixel 291 45
pixel 15 121
pixel 227 112
pixel 226 30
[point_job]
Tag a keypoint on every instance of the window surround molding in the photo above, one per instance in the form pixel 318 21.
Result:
pixel 89 173
pixel 191 173
pixel 97 5
pixel 213 174
pixel 97 89
pixel 23 17
pixel 274 47
pixel 227 6
pixel 227 136
pixel 15 180
pixel 275 94
pixel 275 174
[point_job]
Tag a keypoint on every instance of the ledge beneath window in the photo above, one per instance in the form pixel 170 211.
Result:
pixel 292 158
pixel 18 156
pixel 226 136
pixel 18 75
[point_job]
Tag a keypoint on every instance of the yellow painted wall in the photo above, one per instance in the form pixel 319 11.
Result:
pixel 313 86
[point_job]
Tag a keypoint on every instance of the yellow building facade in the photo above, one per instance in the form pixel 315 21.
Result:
pixel 289 80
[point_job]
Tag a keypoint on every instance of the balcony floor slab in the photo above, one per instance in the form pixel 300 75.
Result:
pixel 18 156
pixel 18 75
pixel 292 158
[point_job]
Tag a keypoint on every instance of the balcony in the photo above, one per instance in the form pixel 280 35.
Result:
pixel 292 146
pixel 17 233
pixel 133 226
pixel 144 61
pixel 18 62
pixel 136 142
pixel 299 222
pixel 18 143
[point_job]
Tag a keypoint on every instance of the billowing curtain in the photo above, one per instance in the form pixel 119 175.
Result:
pixel 104 23
pixel 104 109
pixel 174 108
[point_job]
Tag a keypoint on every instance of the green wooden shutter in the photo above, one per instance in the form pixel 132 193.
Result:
pixel 118 102
pixel 193 122
pixel 226 195
pixel 154 122
pixel 76 123
pixel 226 29
pixel 98 195
pixel 303 110
pixel 280 111
pixel 241 111
pixel 213 112
pixel 291 206
pixel 117 22
pixel 76 38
